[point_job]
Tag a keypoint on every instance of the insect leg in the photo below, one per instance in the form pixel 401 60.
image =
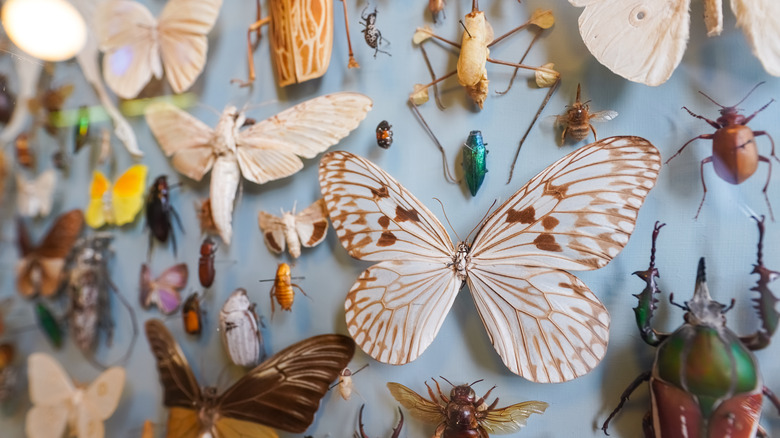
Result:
pixel 397 429
pixel 772 397
pixel 644 377
pixel 772 154
pixel 748 119
pixel 352 63
pixel 704 185
pixel 595 137
pixel 703 136
pixel 380 40
pixel 254 27
pixel 647 302
pixel 766 185
pixel 715 125
pixel 301 290
pixel 360 422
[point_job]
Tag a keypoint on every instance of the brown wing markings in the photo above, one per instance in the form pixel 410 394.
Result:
pixel 172 367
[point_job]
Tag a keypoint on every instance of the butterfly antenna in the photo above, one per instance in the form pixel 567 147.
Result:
pixel 448 221
pixel 481 221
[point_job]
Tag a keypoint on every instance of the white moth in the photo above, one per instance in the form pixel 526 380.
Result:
pixel 240 335
pixel 345 382
pixel 59 405
pixel 34 197
pixel 644 40
pixel 266 151
pixel 307 228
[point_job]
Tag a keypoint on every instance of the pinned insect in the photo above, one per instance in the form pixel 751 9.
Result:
pixel 49 324
pixel 301 40
pixel 474 161
pixel 283 392
pixel 164 291
pixel 238 324
pixel 283 288
pixel 576 121
pixel 705 381
pixel 436 7
pixel 206 271
pixel 205 218
pixel 7 101
pixel 345 382
pixel 735 155
pixel 118 203
pixel 463 414
pixel 192 315
pixel 307 228
pixel 384 134
pixel 396 429
pixel 34 197
pixel 160 213
pixel 475 52
pixel 370 32
pixel 81 132
pixel 23 152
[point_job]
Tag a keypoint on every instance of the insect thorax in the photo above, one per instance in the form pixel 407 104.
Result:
pixel 460 260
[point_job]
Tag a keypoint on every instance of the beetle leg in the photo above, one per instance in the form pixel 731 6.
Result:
pixel 647 425
pixel 595 137
pixel 360 422
pixel 272 294
pixel 624 397
pixel 748 119
pixel 772 397
pixel 766 185
pixel 352 62
pixel 765 302
pixel 253 28
pixel 647 302
pixel 704 184
pixel 703 136
pixel 397 429
pixel 771 140
pixel 714 124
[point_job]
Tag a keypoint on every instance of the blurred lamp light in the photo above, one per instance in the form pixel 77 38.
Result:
pixel 51 30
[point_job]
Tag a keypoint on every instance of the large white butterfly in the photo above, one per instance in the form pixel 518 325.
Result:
pixel 59 405
pixel 137 46
pixel 644 40
pixel 544 322
pixel 265 151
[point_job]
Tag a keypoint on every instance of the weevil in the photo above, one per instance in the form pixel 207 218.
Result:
pixel 370 32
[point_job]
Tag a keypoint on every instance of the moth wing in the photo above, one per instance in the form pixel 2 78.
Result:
pixel 511 418
pixel 713 17
pixel 183 423
pixel 269 150
pixel 273 231
pixel 180 388
pixel 168 286
pixel 127 195
pixel 182 136
pixel 62 235
pixel 312 223
pixel 49 383
pixel 182 37
pixel 95 212
pixel 131 54
pixel 35 197
pixel 46 421
pixel 284 392
pixel 420 407
pixel 232 428
pixel 757 18
pixel 641 40
pixel 100 401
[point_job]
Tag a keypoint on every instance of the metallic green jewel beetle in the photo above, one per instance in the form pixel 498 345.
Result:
pixel 474 165
pixel 49 324
pixel 705 381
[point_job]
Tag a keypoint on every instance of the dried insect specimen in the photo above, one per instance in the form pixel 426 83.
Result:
pixel 206 271
pixel 345 382
pixel 35 197
pixel 371 34
pixel 118 203
pixel 307 228
pixel 384 134
pixel 576 120
pixel 160 213
pixel 282 289
pixel 240 335
pixel 396 429
pixel 164 291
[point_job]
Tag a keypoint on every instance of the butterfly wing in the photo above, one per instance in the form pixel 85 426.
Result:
pixel 758 20
pixel 418 406
pixel 511 418
pixel 184 137
pixel 180 388
pixel 34 198
pixel 127 194
pixel 182 38
pixel 312 223
pixel 270 149
pixel 100 401
pixel 131 55
pixel 578 214
pixel 273 229
pixel 284 392
pixel 95 211
pixel 183 423
pixel 167 288
pixel 396 307
pixel 50 393
pixel 641 40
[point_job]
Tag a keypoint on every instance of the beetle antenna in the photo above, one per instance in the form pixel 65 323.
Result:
pixel 448 222
pixel 475 382
pixel 750 92
pixel 712 100
pixel 466 29
pixel 445 379
pixel 682 306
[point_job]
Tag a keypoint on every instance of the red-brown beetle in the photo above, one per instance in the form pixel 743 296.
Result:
pixel 206 269
pixel 734 156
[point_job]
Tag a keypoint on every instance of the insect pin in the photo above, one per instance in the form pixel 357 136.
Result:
pixel 384 134
pixel 396 429
pixel 474 161
pixel 371 34
pixel 576 120
pixel 160 213
pixel 462 414
pixel 240 335
pixel 345 382
pixel 705 380
pixel 735 155
pixel 282 289
pixel 206 270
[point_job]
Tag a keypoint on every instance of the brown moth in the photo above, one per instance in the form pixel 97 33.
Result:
pixel 307 228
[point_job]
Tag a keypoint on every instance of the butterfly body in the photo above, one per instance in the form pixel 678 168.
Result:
pixel 307 228
pixel 240 335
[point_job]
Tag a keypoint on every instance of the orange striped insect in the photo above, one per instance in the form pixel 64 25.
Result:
pixel 283 288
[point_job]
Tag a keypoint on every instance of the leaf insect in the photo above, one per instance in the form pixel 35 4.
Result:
pixel 371 34
pixel 705 380
pixel 283 392
pixel 345 382
pixel 307 228
pixel 576 120
pixel 282 289
pixel 735 155
pixel 396 429
pixel 240 335
pixel 475 51
pixel 160 213
pixel 301 35
pixel 462 414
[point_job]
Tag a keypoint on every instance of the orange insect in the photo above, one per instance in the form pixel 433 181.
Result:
pixel 24 155
pixel 301 39
pixel 283 288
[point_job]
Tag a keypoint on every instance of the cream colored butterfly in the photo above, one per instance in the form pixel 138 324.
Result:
pixel 136 46
pixel 265 151
pixel 644 40
pixel 307 228
pixel 544 322
pixel 58 405
pixel 35 197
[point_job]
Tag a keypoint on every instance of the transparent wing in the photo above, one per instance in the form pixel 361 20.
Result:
pixel 420 407
pixel 641 40
pixel 758 20
pixel 576 214
pixel 312 223
pixel 511 418
pixel 603 116
pixel 273 231
pixel 270 149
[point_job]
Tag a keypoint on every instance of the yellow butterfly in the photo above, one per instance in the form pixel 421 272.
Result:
pixel 117 204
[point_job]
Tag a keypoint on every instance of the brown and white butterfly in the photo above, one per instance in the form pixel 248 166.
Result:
pixel 283 392
pixel 544 322
pixel 266 151
pixel 307 228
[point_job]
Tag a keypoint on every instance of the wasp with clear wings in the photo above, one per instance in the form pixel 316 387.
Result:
pixel 544 322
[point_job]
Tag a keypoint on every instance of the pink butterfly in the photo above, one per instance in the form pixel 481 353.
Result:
pixel 164 290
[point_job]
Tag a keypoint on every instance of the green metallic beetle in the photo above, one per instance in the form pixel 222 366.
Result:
pixel 474 161
pixel 705 381
pixel 49 324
